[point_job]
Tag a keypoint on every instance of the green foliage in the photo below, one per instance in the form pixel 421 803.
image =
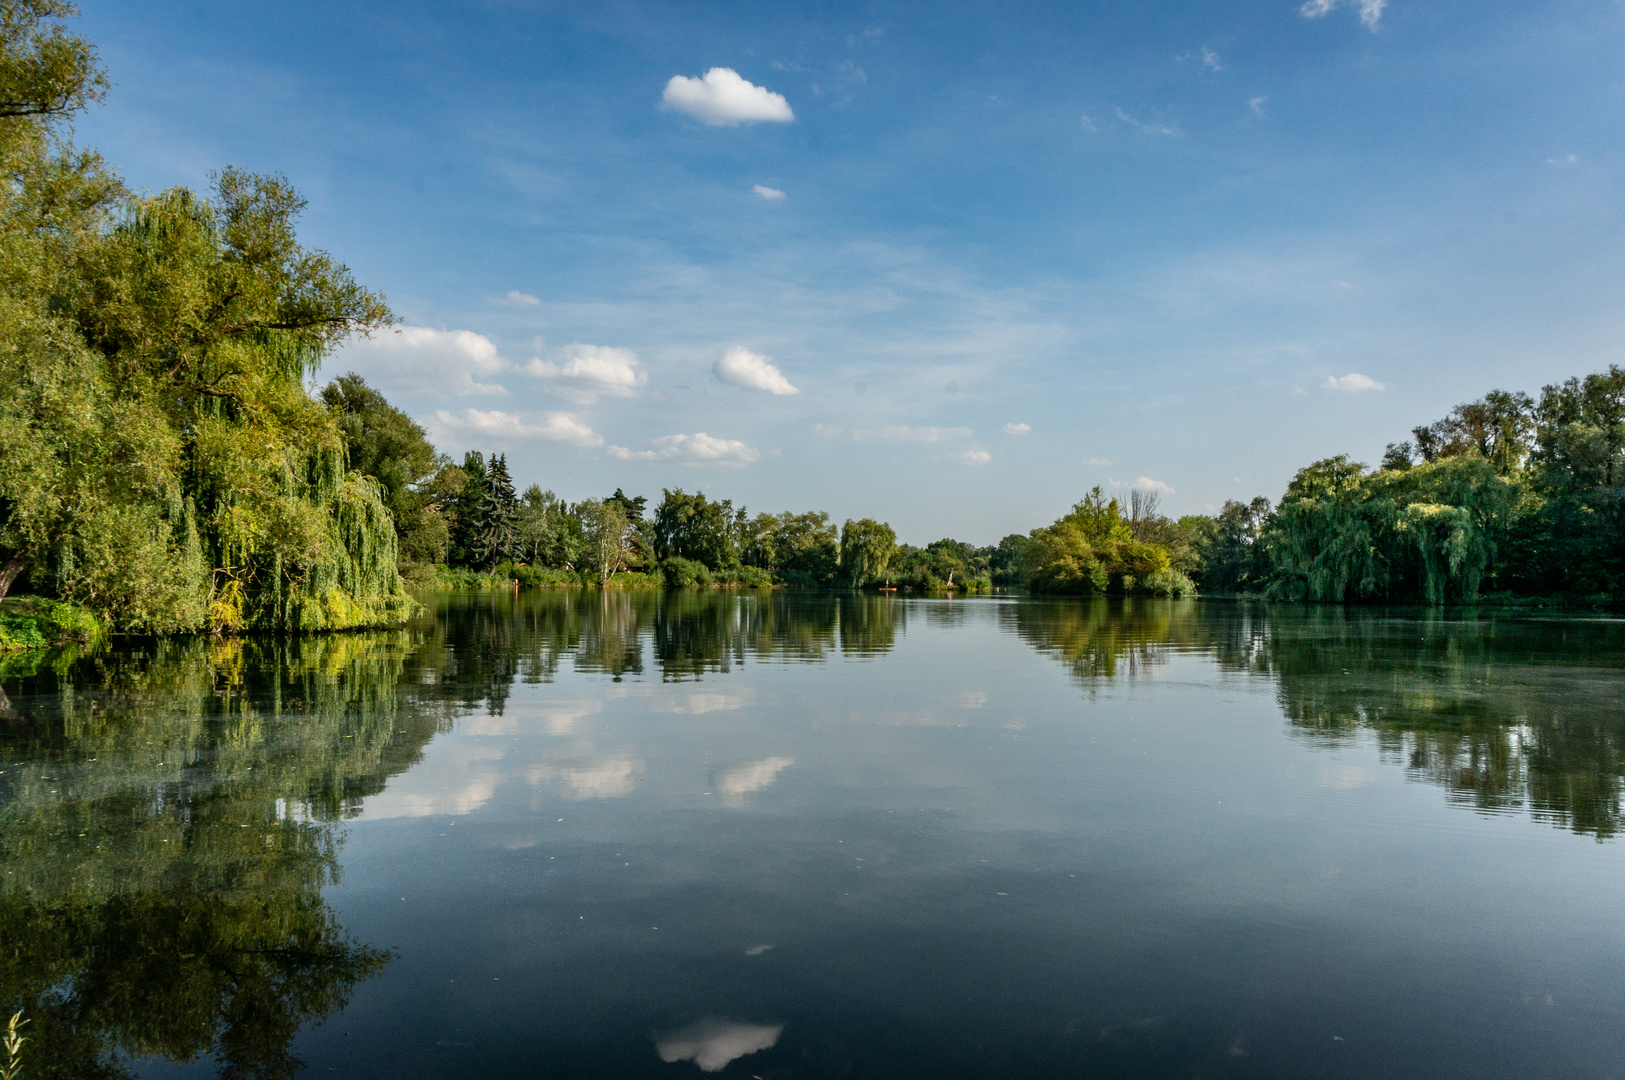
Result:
pixel 804 548
pixel 693 528
pixel 1092 550
pixel 33 622
pixel 164 465
pixel 867 550
pixel 384 443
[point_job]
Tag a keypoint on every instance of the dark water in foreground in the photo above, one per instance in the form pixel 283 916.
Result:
pixel 776 836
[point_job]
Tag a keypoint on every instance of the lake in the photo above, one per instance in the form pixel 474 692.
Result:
pixel 642 835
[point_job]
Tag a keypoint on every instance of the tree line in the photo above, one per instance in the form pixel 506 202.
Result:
pixel 1508 496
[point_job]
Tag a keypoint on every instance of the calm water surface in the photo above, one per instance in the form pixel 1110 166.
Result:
pixel 566 834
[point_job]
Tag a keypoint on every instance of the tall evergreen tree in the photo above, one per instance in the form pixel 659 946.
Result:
pixel 499 514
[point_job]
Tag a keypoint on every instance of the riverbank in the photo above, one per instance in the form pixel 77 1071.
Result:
pixel 33 622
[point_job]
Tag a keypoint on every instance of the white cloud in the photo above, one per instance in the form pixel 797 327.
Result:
pixel 1144 483
pixel 420 361
pixel 905 433
pixel 1089 124
pixel 1257 104
pixel 1565 160
pixel 696 449
pixel 1148 128
pixel 723 99
pixel 1017 429
pixel 1353 382
pixel 972 457
pixel 771 194
pixel 593 778
pixel 1096 461
pixel 712 1044
pixel 752 371
pixel 473 426
pixel 588 372
pixel 1370 10
pixel 516 299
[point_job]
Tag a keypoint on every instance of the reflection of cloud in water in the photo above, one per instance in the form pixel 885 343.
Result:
pixel 704 702
pixel 602 778
pixel 711 1044
pixel 459 780
pixel 1346 776
pixel 740 780
pixel 490 724
pixel 757 950
pixel 974 700
pixel 559 717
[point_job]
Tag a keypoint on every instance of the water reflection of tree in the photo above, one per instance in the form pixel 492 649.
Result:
pixel 1503 714
pixel 1102 638
pixel 170 817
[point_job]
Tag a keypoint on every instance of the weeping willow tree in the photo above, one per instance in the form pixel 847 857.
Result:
pixel 1432 533
pixel 164 464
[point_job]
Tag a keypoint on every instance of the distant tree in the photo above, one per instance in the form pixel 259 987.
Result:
pixel 497 520
pixel 608 536
pixel 867 550
pixel 549 534
pixel 692 527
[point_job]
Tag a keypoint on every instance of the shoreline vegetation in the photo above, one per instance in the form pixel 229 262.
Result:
pixel 167 471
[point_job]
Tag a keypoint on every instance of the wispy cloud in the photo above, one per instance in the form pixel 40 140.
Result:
pixel 1148 128
pixel 516 299
pixel 771 194
pixel 751 371
pixel 480 428
pixel 1207 56
pixel 1257 104
pixel 1017 429
pixel 1353 382
pixel 696 449
pixel 1088 123
pixel 1370 10
pixel 1096 461
pixel 905 433
pixel 1564 161
pixel 724 99
pixel 583 373
pixel 971 457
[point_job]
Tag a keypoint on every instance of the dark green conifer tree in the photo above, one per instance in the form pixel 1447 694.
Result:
pixel 499 514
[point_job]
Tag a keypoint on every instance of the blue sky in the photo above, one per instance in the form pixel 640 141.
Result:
pixel 1000 253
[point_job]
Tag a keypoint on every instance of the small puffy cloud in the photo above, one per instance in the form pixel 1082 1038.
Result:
pixel 421 361
pixel 751 371
pixel 1370 10
pixel 516 299
pixel 1352 383
pixel 905 433
pixel 1144 483
pixel 584 373
pixel 971 457
pixel 696 449
pixel 712 1044
pixel 723 99
pixel 771 194
pixel 1017 429
pixel 480 427
pixel 1257 104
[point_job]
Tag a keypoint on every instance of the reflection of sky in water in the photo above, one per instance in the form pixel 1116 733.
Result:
pixel 961 840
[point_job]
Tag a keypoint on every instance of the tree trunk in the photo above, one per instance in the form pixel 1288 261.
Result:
pixel 9 572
